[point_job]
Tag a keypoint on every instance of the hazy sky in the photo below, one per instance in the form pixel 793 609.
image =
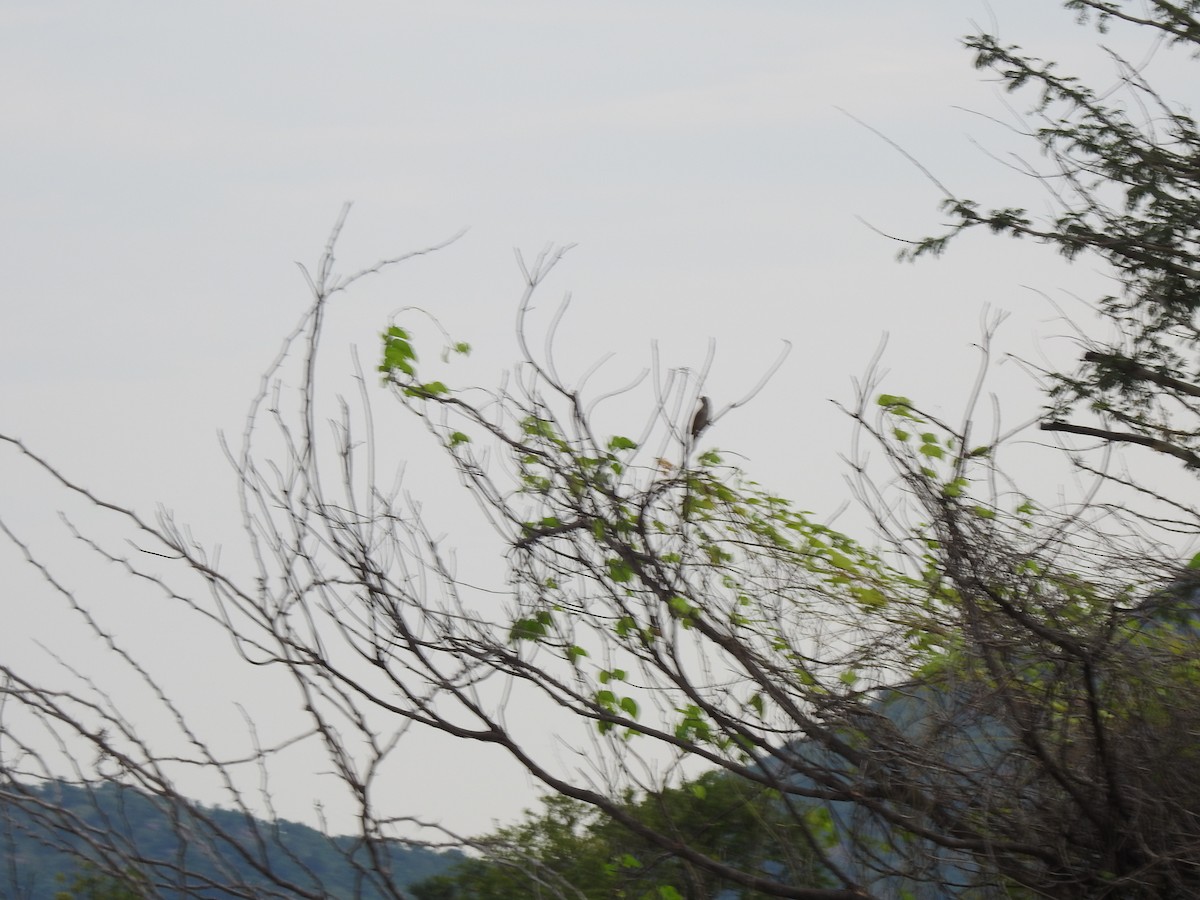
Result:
pixel 165 165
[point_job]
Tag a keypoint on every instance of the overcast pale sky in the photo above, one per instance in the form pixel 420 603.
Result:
pixel 165 165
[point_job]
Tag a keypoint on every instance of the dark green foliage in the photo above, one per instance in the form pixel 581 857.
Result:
pixel 90 884
pixel 569 843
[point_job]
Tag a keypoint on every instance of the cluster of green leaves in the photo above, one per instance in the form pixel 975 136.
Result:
pixel 399 364
pixel 993 663
pixel 568 843
pixel 1125 177
pixel 705 551
pixel 1058 665
pixel 89 883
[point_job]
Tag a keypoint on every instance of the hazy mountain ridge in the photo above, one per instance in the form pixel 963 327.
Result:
pixel 40 828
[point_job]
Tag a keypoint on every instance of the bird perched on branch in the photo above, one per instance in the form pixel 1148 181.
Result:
pixel 701 418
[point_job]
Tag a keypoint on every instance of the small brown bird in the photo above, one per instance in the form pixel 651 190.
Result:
pixel 701 418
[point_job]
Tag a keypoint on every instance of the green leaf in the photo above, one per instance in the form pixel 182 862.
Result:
pixel 462 348
pixel 398 352
pixel 680 607
pixel 528 630
pixel 621 443
pixel 574 652
pixel 954 488
pixel 869 597
pixel 619 571
pixel 838 561
pixel 457 438
pixel 537 427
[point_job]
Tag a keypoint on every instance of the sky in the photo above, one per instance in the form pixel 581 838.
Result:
pixel 166 166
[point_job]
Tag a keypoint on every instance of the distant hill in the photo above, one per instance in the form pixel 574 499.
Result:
pixel 187 851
